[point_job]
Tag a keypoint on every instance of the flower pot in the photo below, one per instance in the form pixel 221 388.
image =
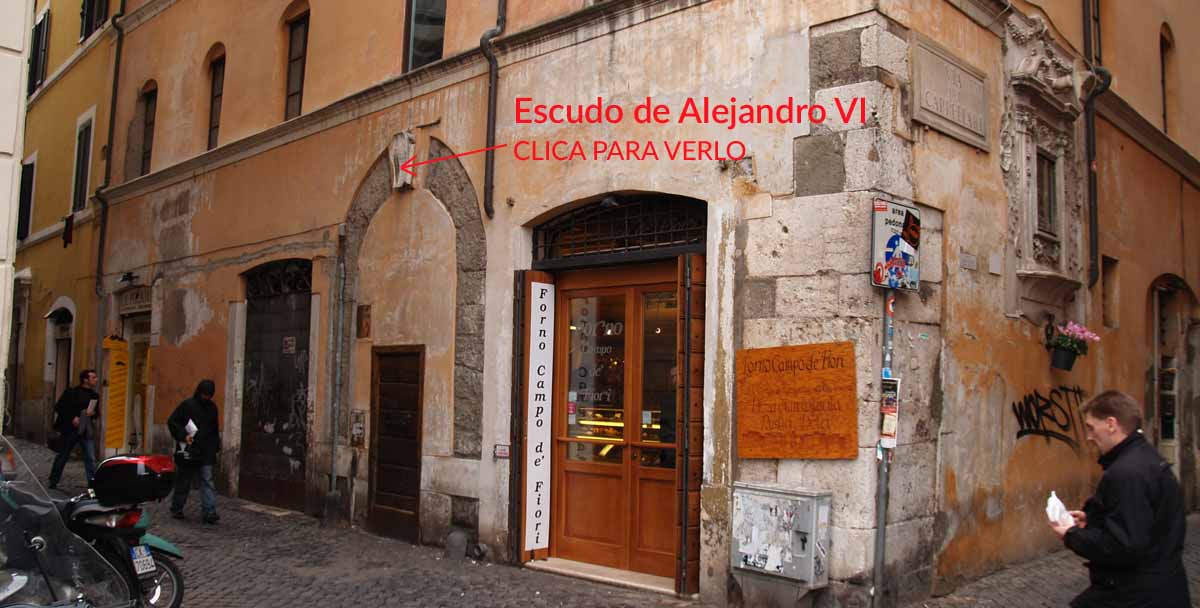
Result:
pixel 1061 358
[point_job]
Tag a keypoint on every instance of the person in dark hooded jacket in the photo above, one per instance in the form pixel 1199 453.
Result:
pixel 201 445
pixel 1132 530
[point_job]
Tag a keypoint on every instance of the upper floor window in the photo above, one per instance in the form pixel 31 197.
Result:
pixel 297 56
pixel 25 206
pixel 1166 62
pixel 39 52
pixel 149 106
pixel 216 71
pixel 92 16
pixel 1047 193
pixel 425 32
pixel 83 165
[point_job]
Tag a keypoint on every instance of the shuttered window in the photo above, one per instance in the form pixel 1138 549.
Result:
pixel 217 71
pixel 83 159
pixel 25 208
pixel 297 55
pixel 39 53
pixel 150 104
pixel 92 14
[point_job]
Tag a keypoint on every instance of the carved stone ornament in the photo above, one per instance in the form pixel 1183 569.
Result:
pixel 1042 104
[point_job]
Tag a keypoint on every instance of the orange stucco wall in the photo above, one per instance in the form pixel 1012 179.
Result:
pixel 993 485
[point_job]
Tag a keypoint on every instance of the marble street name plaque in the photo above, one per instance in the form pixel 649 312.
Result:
pixel 951 95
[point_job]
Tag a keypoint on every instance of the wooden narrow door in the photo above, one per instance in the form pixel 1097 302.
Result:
pixel 395 503
pixel 616 415
pixel 591 444
pixel 653 467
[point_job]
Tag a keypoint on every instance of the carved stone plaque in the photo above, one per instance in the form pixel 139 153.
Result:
pixel 951 95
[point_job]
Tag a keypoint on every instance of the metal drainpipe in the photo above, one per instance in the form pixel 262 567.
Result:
pixel 102 196
pixel 489 163
pixel 338 332
pixel 1104 78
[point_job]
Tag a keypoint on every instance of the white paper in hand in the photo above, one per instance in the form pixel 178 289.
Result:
pixel 190 427
pixel 1056 511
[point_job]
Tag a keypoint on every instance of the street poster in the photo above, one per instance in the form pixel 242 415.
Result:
pixel 895 245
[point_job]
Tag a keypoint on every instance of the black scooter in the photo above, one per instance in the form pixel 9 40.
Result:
pixel 109 517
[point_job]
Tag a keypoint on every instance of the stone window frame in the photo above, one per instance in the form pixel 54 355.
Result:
pixel 1042 105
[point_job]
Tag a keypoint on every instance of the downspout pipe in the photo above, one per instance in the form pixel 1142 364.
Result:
pixel 1103 81
pixel 489 162
pixel 332 499
pixel 101 193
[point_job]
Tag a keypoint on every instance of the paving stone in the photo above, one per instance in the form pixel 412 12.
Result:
pixel 254 559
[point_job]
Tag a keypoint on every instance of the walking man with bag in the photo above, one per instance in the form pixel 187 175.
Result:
pixel 195 425
pixel 75 419
pixel 1132 530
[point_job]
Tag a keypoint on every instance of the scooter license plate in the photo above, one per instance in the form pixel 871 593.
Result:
pixel 143 562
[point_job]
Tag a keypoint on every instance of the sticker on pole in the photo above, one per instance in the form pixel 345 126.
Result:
pixel 895 245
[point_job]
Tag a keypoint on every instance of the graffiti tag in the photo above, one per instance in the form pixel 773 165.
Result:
pixel 1054 416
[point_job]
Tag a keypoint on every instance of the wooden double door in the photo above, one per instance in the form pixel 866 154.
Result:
pixel 618 394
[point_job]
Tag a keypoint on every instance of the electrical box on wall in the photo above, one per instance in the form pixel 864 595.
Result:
pixel 782 533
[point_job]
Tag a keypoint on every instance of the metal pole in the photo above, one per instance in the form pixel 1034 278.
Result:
pixel 884 456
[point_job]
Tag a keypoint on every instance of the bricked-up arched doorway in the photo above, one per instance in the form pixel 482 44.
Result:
pixel 624 440
pixel 1172 382
pixel 275 387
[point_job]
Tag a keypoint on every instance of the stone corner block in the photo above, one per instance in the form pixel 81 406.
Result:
pixel 881 48
pixel 818 164
pixel 878 160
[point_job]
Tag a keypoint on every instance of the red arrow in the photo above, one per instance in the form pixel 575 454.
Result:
pixel 408 165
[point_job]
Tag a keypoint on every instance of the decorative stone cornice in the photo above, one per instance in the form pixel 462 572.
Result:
pixel 987 13
pixel 1040 71
pixel 1116 110
pixel 144 13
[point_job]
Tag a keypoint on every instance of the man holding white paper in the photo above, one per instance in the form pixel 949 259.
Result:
pixel 76 414
pixel 195 424
pixel 1132 529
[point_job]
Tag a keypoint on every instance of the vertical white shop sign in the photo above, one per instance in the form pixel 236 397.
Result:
pixel 537 421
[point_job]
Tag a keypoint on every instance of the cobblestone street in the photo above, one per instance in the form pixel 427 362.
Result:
pixel 1052 580
pixel 259 557
pixel 255 558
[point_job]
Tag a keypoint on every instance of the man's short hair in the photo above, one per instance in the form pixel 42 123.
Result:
pixel 1117 405
pixel 84 374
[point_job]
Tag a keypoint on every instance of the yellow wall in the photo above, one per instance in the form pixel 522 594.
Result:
pixel 50 132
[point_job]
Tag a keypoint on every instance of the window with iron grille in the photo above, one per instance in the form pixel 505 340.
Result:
pixel 92 15
pixel 279 278
pixel 426 32
pixel 149 106
pixel 622 228
pixel 1047 194
pixel 217 72
pixel 83 157
pixel 297 56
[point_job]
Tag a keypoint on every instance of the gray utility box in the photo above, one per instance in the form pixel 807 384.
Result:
pixel 782 532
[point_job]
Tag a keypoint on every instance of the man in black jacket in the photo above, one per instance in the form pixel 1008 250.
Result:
pixel 75 418
pixel 1132 530
pixel 195 424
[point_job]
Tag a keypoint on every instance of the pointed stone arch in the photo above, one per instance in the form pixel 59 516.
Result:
pixel 450 184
